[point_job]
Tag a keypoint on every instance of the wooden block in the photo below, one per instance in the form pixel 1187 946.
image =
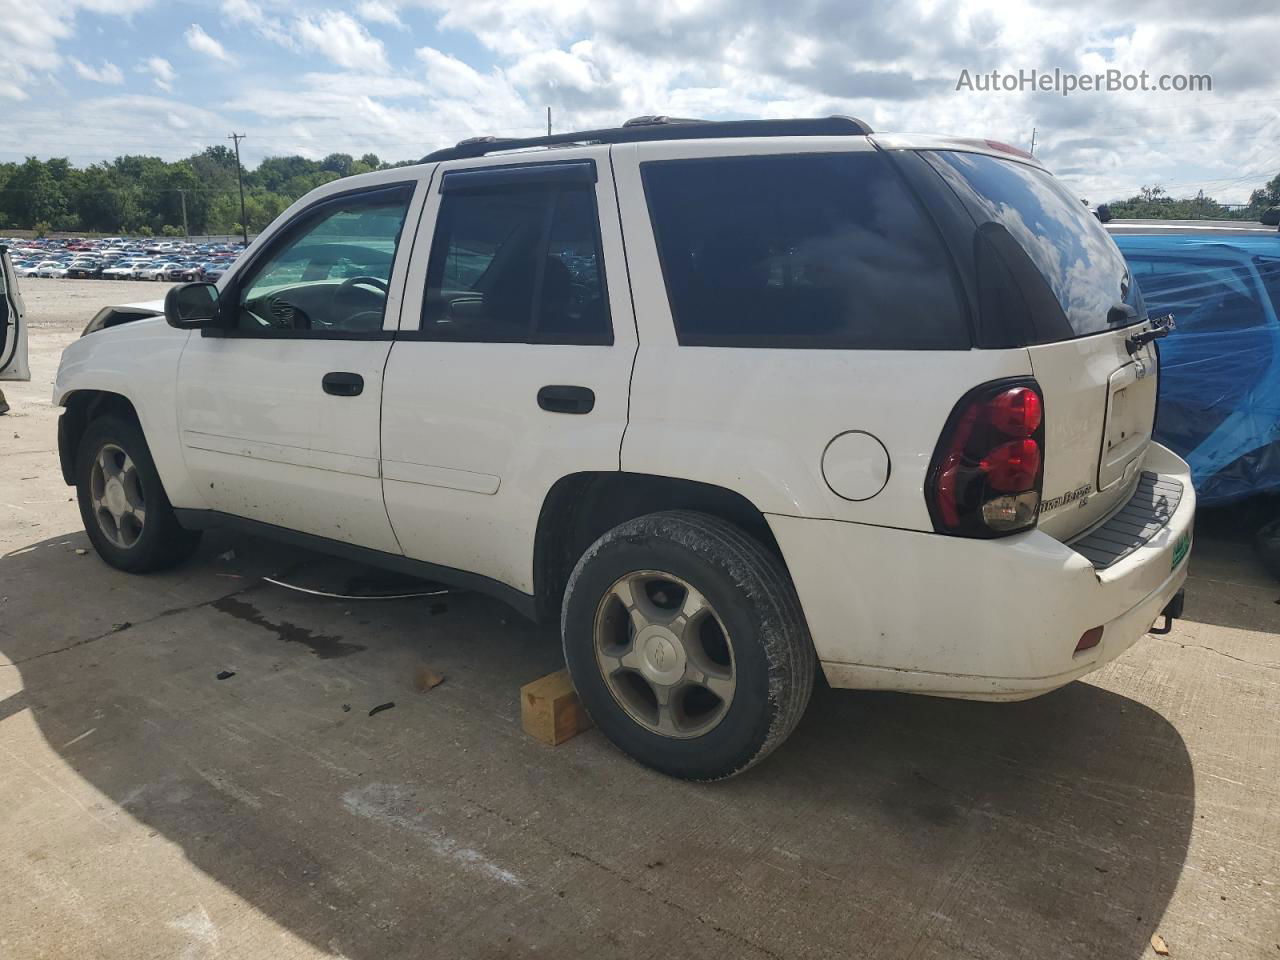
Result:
pixel 550 710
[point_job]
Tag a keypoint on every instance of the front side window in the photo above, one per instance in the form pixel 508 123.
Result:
pixel 813 250
pixel 518 263
pixel 330 271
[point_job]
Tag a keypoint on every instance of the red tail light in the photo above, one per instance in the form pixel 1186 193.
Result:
pixel 985 480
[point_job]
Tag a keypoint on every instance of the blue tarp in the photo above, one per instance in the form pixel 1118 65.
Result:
pixel 1219 402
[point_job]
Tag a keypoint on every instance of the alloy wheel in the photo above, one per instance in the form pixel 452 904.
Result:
pixel 665 654
pixel 115 493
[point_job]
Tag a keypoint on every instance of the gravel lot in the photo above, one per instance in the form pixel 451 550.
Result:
pixel 152 810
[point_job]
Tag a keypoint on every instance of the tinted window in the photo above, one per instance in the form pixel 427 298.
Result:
pixel 517 264
pixel 329 272
pixel 819 250
pixel 1066 244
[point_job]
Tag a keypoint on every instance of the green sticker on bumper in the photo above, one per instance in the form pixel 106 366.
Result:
pixel 1180 550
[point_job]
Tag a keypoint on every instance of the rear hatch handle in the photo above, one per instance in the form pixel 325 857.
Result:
pixel 1160 327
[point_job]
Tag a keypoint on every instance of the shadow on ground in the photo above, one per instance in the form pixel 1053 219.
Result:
pixel 888 826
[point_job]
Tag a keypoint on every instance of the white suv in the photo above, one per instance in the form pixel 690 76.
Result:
pixel 724 399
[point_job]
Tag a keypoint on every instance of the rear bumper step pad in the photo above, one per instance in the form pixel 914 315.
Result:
pixel 1145 515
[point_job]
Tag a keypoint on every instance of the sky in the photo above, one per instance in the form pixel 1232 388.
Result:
pixel 94 79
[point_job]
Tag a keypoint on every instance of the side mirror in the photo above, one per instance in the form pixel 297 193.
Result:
pixel 190 306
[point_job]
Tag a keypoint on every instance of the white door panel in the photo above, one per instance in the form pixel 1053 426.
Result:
pixel 469 455
pixel 267 443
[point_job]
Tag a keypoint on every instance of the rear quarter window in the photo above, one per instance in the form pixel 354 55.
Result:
pixel 816 250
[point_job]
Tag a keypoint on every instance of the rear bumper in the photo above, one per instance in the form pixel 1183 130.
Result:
pixel 903 610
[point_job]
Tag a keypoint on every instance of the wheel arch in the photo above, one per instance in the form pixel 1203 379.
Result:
pixel 80 408
pixel 580 507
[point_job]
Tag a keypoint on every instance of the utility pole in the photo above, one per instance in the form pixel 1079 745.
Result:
pixel 548 121
pixel 244 226
pixel 1033 141
pixel 186 231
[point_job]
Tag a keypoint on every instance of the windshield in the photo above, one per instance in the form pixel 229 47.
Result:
pixel 1071 251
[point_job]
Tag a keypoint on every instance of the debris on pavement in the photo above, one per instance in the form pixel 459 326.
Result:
pixel 81 552
pixel 424 678
pixel 382 706
pixel 226 675
pixel 1158 945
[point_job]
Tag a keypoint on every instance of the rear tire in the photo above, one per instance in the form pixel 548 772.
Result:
pixel 687 645
pixel 125 510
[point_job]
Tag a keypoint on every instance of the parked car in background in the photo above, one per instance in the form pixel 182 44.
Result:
pixel 122 269
pixel 212 271
pixel 84 269
pixel 51 268
pixel 785 433
pixel 1220 370
pixel 159 270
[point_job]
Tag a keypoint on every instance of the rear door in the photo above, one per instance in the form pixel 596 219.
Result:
pixel 1051 278
pixel 13 331
pixel 513 359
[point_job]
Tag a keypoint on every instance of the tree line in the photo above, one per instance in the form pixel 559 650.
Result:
pixel 141 195
pixel 146 196
pixel 1156 203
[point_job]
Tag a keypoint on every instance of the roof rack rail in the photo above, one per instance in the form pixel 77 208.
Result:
pixel 641 129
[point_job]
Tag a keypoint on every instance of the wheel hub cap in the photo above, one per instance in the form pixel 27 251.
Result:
pixel 663 657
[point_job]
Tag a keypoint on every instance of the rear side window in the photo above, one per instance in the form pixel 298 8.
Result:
pixel 1029 223
pixel 518 264
pixel 813 250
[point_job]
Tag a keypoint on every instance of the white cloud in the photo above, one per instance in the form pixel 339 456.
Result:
pixel 31 32
pixel 107 73
pixel 380 11
pixel 250 14
pixel 342 39
pixel 201 42
pixel 161 71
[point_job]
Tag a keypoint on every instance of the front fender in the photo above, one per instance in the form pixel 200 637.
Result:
pixel 139 362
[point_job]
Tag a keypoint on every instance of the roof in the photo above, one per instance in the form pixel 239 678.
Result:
pixel 642 129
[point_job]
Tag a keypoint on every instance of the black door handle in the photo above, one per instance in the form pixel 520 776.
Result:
pixel 561 399
pixel 343 384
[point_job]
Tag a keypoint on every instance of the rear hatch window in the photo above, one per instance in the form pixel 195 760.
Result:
pixel 1047 270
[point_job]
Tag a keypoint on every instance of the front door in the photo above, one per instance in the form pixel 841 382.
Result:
pixel 13 333
pixel 279 407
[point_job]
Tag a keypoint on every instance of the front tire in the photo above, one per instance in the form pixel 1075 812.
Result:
pixel 125 510
pixel 687 645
